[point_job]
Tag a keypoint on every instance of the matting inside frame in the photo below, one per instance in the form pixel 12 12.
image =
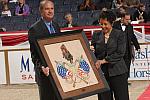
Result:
pixel 71 65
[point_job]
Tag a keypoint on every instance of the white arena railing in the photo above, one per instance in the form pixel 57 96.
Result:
pixel 17 68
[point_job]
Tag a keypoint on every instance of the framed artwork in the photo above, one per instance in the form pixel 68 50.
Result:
pixel 72 65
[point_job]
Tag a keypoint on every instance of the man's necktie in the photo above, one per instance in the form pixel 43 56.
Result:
pixel 51 28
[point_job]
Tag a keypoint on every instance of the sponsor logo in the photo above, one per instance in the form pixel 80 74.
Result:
pixel 145 54
pixel 24 64
pixel 26 68
pixel 140 69
pixel 141 73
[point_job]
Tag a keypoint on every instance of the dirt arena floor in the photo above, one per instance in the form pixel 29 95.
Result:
pixel 30 91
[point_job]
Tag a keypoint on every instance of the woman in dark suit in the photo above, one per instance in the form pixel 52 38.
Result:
pixel 109 46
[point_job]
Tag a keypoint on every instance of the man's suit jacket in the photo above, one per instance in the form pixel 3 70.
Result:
pixel 37 31
pixel 130 37
pixel 113 52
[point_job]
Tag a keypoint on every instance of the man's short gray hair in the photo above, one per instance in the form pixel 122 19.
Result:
pixel 42 3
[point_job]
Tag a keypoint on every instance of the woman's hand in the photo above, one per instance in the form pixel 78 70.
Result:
pixel 99 63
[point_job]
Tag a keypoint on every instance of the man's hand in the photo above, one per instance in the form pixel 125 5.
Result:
pixel 45 70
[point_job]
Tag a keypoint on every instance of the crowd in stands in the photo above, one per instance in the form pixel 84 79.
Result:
pixel 21 14
pixel 5 8
pixel 140 14
pixel 87 5
pixel 21 8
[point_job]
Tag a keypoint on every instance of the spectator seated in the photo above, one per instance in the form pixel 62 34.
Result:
pixel 87 5
pixel 22 9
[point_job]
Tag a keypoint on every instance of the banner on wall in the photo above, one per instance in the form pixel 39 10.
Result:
pixel 2 68
pixel 21 67
pixel 140 68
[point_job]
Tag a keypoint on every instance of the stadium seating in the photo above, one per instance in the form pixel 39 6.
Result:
pixel 82 18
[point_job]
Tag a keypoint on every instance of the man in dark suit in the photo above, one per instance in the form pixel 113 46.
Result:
pixel 124 25
pixel 43 28
pixel 69 21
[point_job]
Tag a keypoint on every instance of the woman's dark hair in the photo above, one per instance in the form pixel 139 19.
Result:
pixel 109 15
pixel 90 2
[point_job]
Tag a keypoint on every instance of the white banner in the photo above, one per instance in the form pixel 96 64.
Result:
pixel 2 68
pixel 140 69
pixel 21 67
